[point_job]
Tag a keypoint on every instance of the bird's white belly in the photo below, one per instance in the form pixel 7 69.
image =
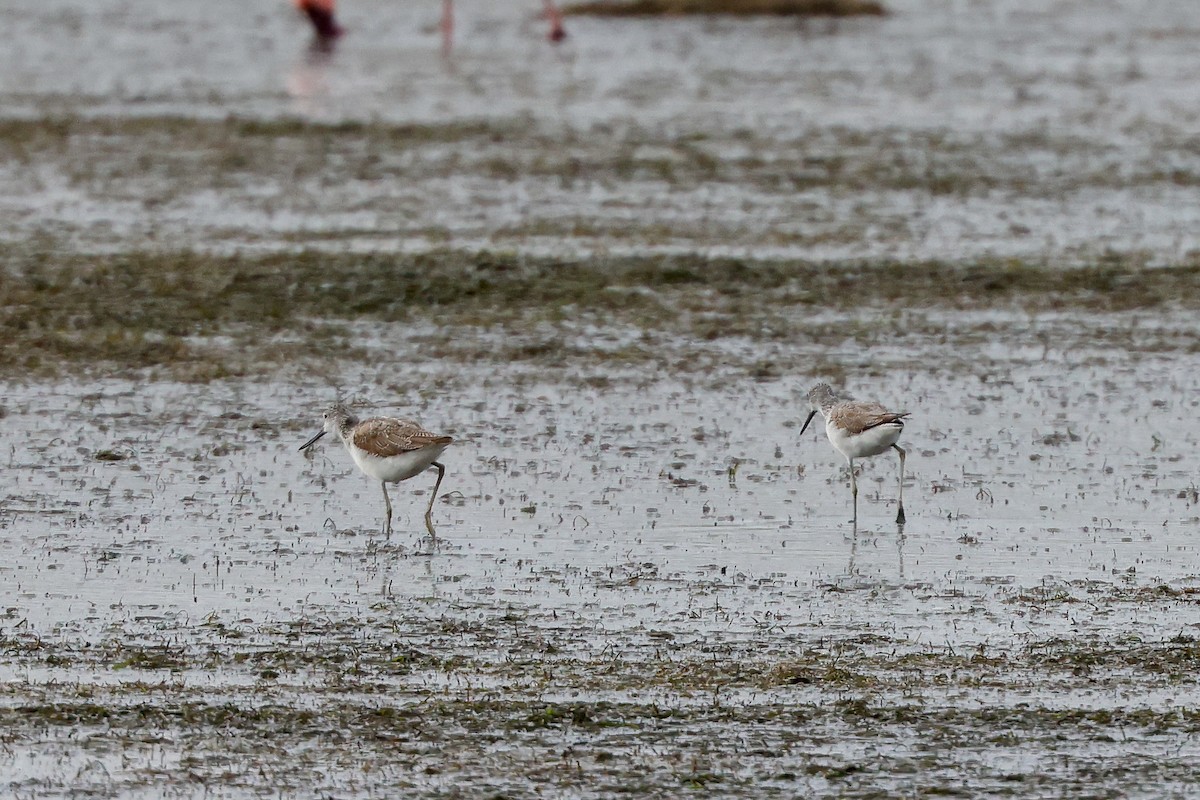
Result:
pixel 870 442
pixel 396 468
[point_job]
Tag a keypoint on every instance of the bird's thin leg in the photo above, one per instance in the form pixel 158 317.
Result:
pixel 387 503
pixel 853 550
pixel 900 519
pixel 854 490
pixel 433 498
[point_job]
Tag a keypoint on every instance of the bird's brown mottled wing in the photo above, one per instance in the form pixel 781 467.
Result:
pixel 386 436
pixel 855 418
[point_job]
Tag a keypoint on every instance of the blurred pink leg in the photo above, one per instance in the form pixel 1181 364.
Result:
pixel 557 31
pixel 447 26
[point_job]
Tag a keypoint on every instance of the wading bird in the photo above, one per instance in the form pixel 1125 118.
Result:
pixel 858 429
pixel 387 449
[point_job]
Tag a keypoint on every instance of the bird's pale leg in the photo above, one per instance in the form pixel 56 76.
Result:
pixel 900 519
pixel 387 502
pixel 433 498
pixel 854 490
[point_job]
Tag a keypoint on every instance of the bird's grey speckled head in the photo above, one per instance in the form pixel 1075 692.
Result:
pixel 821 397
pixel 337 419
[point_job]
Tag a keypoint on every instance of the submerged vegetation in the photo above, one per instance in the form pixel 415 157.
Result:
pixel 140 309
pixel 440 699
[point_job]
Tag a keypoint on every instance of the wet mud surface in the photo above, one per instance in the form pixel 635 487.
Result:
pixel 611 271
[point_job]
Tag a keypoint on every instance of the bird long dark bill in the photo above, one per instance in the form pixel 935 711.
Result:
pixel 312 441
pixel 811 414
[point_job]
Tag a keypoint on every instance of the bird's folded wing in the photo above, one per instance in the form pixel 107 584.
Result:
pixel 884 419
pixel 390 437
pixel 855 418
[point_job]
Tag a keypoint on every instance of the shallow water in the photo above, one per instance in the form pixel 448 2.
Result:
pixel 1049 510
pixel 947 130
pixel 1101 69
pixel 1020 472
